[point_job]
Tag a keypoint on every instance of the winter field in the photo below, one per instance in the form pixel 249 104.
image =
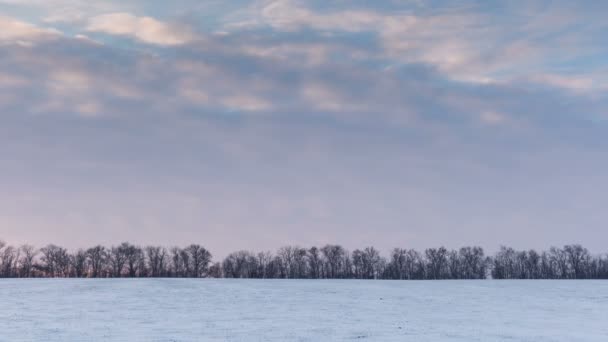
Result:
pixel 302 310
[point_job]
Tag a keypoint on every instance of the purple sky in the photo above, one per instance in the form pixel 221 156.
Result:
pixel 254 124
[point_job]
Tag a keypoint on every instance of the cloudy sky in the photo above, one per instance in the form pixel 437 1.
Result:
pixel 253 124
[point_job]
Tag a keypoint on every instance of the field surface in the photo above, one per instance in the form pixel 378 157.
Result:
pixel 302 310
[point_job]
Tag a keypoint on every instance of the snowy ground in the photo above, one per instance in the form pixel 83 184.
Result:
pixel 301 310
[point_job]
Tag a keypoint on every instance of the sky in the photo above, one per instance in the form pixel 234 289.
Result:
pixel 253 124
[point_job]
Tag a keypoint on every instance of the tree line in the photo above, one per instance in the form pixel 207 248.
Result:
pixel 293 262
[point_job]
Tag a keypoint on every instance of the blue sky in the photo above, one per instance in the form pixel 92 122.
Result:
pixel 253 124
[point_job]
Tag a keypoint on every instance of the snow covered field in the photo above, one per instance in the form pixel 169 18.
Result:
pixel 302 310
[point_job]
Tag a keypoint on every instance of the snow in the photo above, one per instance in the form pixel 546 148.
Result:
pixel 301 310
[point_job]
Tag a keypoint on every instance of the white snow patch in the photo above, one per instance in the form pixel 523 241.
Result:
pixel 302 310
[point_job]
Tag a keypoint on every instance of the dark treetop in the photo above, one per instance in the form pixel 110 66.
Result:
pixel 327 262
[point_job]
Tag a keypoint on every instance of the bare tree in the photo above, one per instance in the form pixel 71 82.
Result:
pixel 373 263
pixel 62 262
pixel 473 263
pixel 396 265
pixel 358 264
pixel 276 269
pixel 560 260
pixel 333 259
pixel 436 262
pixel 578 258
pixel 97 257
pixel 455 265
pixel 287 255
pixel 55 261
pixel 79 263
pixel 156 260
pixel 547 268
pixel 134 259
pixel 241 264
pixel 504 264
pixel 215 270
pixel 9 256
pixel 315 263
pixel 264 259
pixel 199 260
pixel 177 263
pixel 533 265
pixel 28 254
pixel 117 258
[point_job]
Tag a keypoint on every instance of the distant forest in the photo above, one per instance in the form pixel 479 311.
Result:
pixel 293 262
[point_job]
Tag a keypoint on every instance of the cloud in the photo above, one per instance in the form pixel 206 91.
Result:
pixel 324 97
pixel 65 12
pixel 246 103
pixel 287 15
pixel 15 31
pixel 492 118
pixel 465 43
pixel 578 83
pixel 293 73
pixel 9 80
pixel 145 29
pixel 229 79
pixel 308 53
pixel 444 40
